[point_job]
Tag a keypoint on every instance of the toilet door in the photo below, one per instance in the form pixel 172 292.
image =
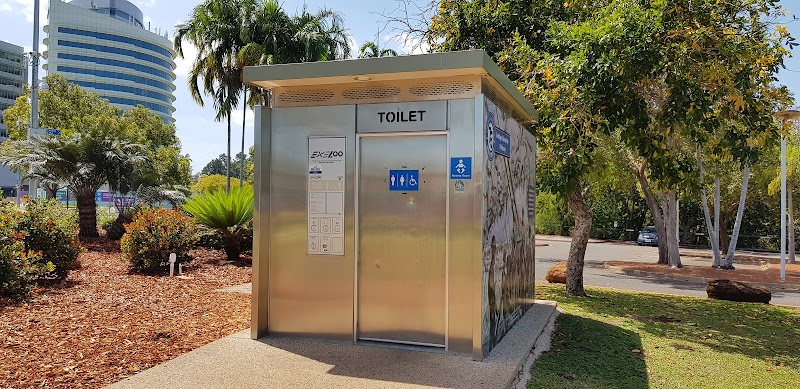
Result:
pixel 402 199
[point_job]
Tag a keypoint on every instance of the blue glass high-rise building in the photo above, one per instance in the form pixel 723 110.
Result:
pixel 106 47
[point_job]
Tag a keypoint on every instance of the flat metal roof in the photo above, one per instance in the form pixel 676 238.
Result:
pixel 455 63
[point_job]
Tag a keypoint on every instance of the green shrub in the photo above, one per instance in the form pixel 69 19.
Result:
pixel 50 231
pixel 18 268
pixel 104 219
pixel 231 215
pixel 156 232
pixel 208 238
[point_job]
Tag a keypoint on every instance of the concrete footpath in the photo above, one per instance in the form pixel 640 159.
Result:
pixel 277 362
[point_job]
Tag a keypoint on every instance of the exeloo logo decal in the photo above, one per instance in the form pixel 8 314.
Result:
pixel 327 154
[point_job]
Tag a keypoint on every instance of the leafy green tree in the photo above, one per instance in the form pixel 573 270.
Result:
pixel 212 183
pixel 663 77
pixel 71 109
pixel 559 55
pixel 371 50
pixel 63 106
pixel 215 166
pixel 133 151
pixel 83 161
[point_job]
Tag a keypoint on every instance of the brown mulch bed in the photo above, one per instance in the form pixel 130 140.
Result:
pixel 755 258
pixel 769 274
pixel 105 323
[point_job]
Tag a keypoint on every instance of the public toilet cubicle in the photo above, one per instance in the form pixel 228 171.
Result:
pixel 395 202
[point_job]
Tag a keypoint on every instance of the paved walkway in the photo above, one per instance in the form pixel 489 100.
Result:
pixel 239 362
pixel 595 273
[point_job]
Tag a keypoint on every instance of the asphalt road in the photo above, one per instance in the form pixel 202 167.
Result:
pixel 594 273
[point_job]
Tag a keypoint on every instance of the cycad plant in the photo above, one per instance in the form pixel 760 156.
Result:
pixel 230 214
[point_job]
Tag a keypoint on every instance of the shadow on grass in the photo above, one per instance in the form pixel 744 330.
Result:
pixel 587 353
pixel 755 330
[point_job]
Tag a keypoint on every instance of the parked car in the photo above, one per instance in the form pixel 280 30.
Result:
pixel 648 237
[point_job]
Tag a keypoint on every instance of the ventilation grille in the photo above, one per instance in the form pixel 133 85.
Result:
pixel 384 91
pixel 371 93
pixel 442 88
pixel 306 96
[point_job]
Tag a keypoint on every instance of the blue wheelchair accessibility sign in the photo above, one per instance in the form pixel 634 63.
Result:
pixel 461 168
pixel 404 180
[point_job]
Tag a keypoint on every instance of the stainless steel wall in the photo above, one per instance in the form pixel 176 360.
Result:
pixel 464 231
pixel 259 299
pixel 309 295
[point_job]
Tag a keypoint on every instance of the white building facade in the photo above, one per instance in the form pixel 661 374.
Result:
pixel 13 76
pixel 105 47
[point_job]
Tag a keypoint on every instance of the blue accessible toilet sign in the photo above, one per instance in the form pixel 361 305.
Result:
pixel 461 168
pixel 404 180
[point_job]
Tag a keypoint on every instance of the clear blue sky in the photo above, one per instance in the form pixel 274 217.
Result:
pixel 203 138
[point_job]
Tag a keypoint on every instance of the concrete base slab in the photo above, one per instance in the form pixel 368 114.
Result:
pixel 274 362
pixel 242 288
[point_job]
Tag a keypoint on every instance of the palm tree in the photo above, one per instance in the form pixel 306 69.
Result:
pixel 272 37
pixel 214 27
pixel 319 36
pixel 82 162
pixel 232 34
pixel 371 50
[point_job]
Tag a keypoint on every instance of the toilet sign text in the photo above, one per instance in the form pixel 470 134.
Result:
pixel 401 116
pixel 393 117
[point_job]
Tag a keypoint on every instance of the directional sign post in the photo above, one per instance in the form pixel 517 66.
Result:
pixel 51 131
pixel 404 180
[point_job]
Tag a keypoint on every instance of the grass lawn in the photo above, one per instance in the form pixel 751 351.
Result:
pixel 620 339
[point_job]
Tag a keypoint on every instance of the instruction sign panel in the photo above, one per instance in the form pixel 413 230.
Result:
pixel 461 168
pixel 502 142
pixel 497 140
pixel 404 180
pixel 326 184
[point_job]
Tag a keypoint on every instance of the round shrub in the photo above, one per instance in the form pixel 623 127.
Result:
pixel 50 231
pixel 156 232
pixel 18 268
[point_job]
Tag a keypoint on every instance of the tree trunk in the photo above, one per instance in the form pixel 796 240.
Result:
pixel 655 210
pixel 790 207
pixel 228 159
pixel 717 220
pixel 244 121
pixel 671 217
pixel 724 238
pixel 230 242
pixel 50 191
pixel 737 225
pixel 712 236
pixel 87 214
pixel 580 238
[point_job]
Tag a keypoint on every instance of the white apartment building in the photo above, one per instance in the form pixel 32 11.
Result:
pixel 13 77
pixel 106 47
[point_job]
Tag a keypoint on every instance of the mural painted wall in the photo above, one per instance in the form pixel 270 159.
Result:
pixel 508 223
